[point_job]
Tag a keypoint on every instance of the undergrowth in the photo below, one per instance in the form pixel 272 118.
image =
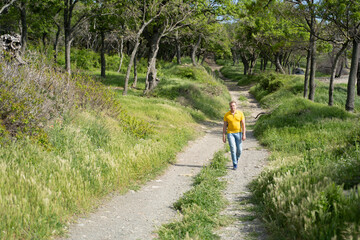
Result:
pixel 310 188
pixel 200 207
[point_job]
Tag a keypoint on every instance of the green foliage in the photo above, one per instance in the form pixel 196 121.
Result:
pixel 201 206
pixel 309 190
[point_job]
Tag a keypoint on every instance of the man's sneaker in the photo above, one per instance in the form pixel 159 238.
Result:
pixel 235 167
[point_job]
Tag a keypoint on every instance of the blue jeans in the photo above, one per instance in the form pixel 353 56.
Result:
pixel 235 143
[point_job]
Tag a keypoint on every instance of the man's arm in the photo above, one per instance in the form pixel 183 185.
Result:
pixel 224 131
pixel 242 122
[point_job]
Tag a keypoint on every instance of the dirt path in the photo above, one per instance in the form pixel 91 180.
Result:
pixel 137 214
pixel 253 159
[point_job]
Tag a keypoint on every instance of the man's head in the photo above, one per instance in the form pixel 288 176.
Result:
pixel 232 105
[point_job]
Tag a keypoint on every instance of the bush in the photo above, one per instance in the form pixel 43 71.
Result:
pixel 33 95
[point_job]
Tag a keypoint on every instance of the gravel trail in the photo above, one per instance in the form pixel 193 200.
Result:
pixel 253 158
pixel 137 214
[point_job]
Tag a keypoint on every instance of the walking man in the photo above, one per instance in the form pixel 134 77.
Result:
pixel 234 127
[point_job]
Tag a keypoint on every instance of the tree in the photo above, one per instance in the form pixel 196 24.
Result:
pixel 345 15
pixel 141 15
pixel 70 27
pixel 103 20
pixel 173 17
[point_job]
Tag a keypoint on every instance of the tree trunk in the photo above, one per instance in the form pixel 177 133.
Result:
pixel 252 65
pixel 333 73
pixel 132 57
pixel 44 36
pixel 121 54
pixel 313 59
pixel 265 64
pixel 102 55
pixel 135 72
pixel 307 70
pixel 193 54
pixel 151 80
pixel 68 37
pixel 340 70
pixel 67 54
pixel 245 63
pixel 350 100
pixel 358 81
pixel 24 30
pixel 178 47
pixel 56 42
pixel 278 64
pixel 234 57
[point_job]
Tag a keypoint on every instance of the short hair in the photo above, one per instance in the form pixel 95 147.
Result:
pixel 232 102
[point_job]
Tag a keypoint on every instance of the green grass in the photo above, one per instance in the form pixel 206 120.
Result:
pixel 92 151
pixel 200 207
pixel 309 190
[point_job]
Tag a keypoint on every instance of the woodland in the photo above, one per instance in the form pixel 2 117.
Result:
pixel 285 33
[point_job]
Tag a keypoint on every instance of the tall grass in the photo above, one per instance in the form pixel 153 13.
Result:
pixel 310 189
pixel 100 143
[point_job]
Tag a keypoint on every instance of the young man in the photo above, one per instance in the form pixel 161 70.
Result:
pixel 234 127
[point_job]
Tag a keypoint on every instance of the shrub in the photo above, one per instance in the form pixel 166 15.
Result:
pixel 34 94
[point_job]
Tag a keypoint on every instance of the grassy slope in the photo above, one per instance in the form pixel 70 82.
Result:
pixel 309 190
pixel 91 154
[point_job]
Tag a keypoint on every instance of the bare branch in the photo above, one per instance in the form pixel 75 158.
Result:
pixel 6 6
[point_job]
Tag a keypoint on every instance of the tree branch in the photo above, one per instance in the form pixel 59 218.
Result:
pixel 6 6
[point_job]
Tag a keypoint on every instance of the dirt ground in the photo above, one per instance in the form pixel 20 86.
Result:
pixel 137 214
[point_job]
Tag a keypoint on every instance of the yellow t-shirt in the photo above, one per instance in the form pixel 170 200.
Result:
pixel 233 121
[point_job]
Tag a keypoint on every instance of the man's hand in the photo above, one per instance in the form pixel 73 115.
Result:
pixel 244 137
pixel 224 138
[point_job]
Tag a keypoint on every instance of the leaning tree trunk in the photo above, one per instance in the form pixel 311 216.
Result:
pixel 333 73
pixel 23 26
pixel 178 47
pixel 193 54
pixel 350 100
pixel 121 54
pixel 151 79
pixel 132 57
pixel 102 55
